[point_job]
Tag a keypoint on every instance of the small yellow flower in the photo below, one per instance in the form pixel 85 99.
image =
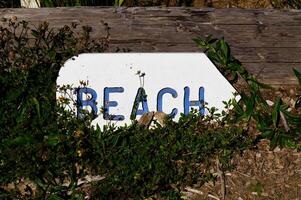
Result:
pixel 80 152
pixel 78 133
pixel 61 99
pixel 44 157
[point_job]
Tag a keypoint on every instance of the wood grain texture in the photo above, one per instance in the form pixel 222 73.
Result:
pixel 267 42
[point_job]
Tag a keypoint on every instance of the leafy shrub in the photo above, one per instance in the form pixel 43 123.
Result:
pixel 37 140
pixel 139 162
pixel 275 122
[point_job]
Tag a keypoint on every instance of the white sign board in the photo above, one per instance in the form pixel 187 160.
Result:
pixel 173 83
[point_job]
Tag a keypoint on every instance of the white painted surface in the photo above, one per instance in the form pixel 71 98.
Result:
pixel 30 3
pixel 174 70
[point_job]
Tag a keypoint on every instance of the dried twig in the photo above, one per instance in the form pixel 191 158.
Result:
pixel 284 122
pixel 213 197
pixel 194 191
pixel 222 177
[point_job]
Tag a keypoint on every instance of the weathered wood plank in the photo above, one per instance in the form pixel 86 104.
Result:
pixel 282 72
pixel 267 42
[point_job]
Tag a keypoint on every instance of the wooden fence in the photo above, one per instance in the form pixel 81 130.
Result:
pixel 267 42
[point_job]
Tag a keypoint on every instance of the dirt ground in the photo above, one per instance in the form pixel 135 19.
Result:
pixel 260 174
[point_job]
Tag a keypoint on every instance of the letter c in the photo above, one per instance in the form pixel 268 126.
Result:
pixel 160 100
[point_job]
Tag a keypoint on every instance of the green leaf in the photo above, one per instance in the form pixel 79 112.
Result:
pixel 119 2
pixel 225 50
pixel 274 140
pixel 276 112
pixel 214 57
pixel 291 118
pixel 14 94
pixel 37 106
pixel 53 140
pixel 20 140
pixel 267 134
pixel 211 40
pixel 237 107
pixel 38 181
pixel 35 33
pixel 298 75
pixel 249 103
pixel 54 197
pixel 289 143
pixel 200 42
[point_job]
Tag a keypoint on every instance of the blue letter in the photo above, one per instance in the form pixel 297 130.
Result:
pixel 107 103
pixel 160 97
pixel 199 103
pixel 140 97
pixel 90 102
